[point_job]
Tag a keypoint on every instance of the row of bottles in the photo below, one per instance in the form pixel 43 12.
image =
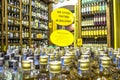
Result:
pixel 13 35
pixel 91 1
pixel 14 2
pixel 13 28
pixel 39 24
pixel 25 13
pixel 97 19
pixel 91 8
pixel 68 63
pixel 13 41
pixel 94 31
pixel 40 10
pixel 25 33
pixel 39 21
pixel 96 41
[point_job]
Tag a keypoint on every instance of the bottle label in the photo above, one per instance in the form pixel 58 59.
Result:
pixel 114 59
pixel 118 63
pixel 110 54
pixel 100 66
pixel 36 62
pixel 1 68
pixel 62 61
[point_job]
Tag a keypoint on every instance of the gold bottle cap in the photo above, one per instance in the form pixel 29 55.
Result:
pixel 70 55
pixel 105 61
pixel 26 64
pixel 85 56
pixel 84 64
pixel 43 60
pixel 55 66
pixel 66 59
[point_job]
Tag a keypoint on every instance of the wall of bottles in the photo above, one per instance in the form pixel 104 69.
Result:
pixel 33 21
pixel 94 28
pixel 25 23
pixel 39 21
pixel 13 25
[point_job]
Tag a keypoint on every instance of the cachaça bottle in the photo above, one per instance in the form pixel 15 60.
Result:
pixel 55 70
pixel 84 70
pixel 43 72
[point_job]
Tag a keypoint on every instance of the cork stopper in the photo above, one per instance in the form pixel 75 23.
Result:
pixel 55 67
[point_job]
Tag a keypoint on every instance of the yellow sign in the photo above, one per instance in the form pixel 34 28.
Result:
pixel 61 38
pixel 62 16
pixel 79 42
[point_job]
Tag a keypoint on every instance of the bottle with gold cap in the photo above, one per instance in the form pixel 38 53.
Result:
pixel 26 67
pixel 43 73
pixel 84 70
pixel 116 71
pixel 66 61
pixel 106 71
pixel 55 70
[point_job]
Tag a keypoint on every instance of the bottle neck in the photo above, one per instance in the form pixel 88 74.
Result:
pixel 66 68
pixel 43 68
pixel 56 76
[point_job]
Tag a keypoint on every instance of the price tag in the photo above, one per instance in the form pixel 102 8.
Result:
pixel 79 42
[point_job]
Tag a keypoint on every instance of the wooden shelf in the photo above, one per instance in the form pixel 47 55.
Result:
pixel 93 25
pixel 94 37
pixel 16 44
pixel 40 29
pixel 39 39
pixel 39 18
pixel 26 38
pixel 13 6
pixel 48 1
pixel 25 26
pixel 14 18
pixel 25 15
pixel 14 31
pixel 13 38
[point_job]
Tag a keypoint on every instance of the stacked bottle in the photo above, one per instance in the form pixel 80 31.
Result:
pixel 94 21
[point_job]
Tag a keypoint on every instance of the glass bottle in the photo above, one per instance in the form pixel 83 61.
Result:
pixel 13 68
pixel 26 66
pixel 66 61
pixel 84 70
pixel 106 73
pixel 2 76
pixel 55 70
pixel 43 73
